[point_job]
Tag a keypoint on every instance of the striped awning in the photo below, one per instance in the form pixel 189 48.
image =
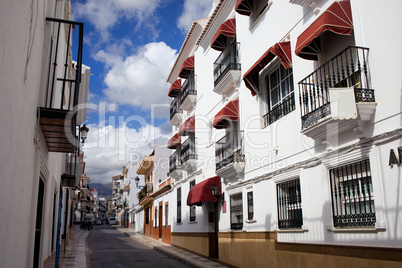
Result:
pixel 281 50
pixel 229 113
pixel 187 127
pixel 187 67
pixel 201 192
pixel 337 19
pixel 175 89
pixel 174 142
pixel 244 7
pixel 226 30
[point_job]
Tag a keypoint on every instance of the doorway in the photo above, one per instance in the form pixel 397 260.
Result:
pixel 160 220
pixel 38 224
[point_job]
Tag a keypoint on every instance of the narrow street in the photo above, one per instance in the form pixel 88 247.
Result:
pixel 107 247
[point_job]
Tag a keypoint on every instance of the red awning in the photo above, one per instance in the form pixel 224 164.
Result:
pixel 244 7
pixel 220 39
pixel 174 142
pixel 175 89
pixel 337 19
pixel 229 113
pixel 201 192
pixel 281 50
pixel 186 67
pixel 187 127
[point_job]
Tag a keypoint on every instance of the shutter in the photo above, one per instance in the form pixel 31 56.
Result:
pixel 332 44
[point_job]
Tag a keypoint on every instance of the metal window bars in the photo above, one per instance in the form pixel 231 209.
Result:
pixel 352 196
pixel 188 88
pixel 290 214
pixel 229 149
pixel 188 149
pixel 174 161
pixel 175 107
pixel 228 60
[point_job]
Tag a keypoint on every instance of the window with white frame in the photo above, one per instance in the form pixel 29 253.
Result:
pixel 279 95
pixel 236 212
pixel 352 196
pixel 193 207
pixel 250 206
pixel 288 195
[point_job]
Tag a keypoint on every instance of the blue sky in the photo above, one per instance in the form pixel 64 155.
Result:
pixel 130 46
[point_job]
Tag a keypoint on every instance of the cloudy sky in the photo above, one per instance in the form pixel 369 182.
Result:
pixel 130 46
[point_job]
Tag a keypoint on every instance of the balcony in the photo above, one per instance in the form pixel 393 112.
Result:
pixel 176 114
pixel 227 70
pixel 230 160
pixel 188 94
pixel 57 117
pixel 338 95
pixel 69 178
pixel 188 156
pixel 175 169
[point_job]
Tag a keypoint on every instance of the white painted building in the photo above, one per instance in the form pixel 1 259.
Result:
pixel 39 131
pixel 296 106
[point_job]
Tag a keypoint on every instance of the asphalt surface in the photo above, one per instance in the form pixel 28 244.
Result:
pixel 107 247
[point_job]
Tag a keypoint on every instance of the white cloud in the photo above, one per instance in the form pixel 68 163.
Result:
pixel 104 14
pixel 193 10
pixel 107 148
pixel 140 79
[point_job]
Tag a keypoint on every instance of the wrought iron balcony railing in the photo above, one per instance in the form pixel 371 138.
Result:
pixel 347 69
pixel 188 88
pixel 227 61
pixel 175 108
pixel 229 150
pixel 188 150
pixel 283 108
pixel 174 162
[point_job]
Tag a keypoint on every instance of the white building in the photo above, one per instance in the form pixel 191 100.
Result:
pixel 40 129
pixel 292 109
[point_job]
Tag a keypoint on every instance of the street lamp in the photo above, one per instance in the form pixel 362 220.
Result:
pixel 137 182
pixel 84 131
pixel 215 191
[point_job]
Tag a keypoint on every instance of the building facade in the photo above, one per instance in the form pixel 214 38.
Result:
pixel 40 138
pixel 285 107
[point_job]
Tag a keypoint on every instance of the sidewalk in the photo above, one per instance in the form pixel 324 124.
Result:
pixel 173 252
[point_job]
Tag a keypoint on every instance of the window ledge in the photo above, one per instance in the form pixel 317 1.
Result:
pixel 376 229
pixel 192 222
pixel 251 221
pixel 179 223
pixel 303 230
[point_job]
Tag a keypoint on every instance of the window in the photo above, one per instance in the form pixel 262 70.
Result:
pixel 259 6
pixel 289 204
pixel 352 195
pixel 156 217
pixel 193 207
pixel 250 206
pixel 280 94
pixel 147 216
pixel 236 212
pixel 166 214
pixel 179 205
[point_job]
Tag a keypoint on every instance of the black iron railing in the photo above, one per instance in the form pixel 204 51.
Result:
pixel 188 150
pixel 290 214
pixel 283 108
pixel 175 107
pixel 174 161
pixel 228 149
pixel 62 73
pixel 347 69
pixel 187 89
pixel 352 196
pixel 227 61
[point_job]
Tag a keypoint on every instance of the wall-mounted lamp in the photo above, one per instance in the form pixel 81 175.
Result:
pixel 84 131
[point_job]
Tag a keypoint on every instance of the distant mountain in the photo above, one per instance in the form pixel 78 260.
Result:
pixel 104 189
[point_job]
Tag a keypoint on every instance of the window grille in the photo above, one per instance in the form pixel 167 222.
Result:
pixel 352 195
pixel 250 205
pixel 179 205
pixel 236 212
pixel 289 204
pixel 166 215
pixel 193 207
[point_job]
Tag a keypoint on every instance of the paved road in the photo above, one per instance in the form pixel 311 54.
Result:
pixel 107 247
